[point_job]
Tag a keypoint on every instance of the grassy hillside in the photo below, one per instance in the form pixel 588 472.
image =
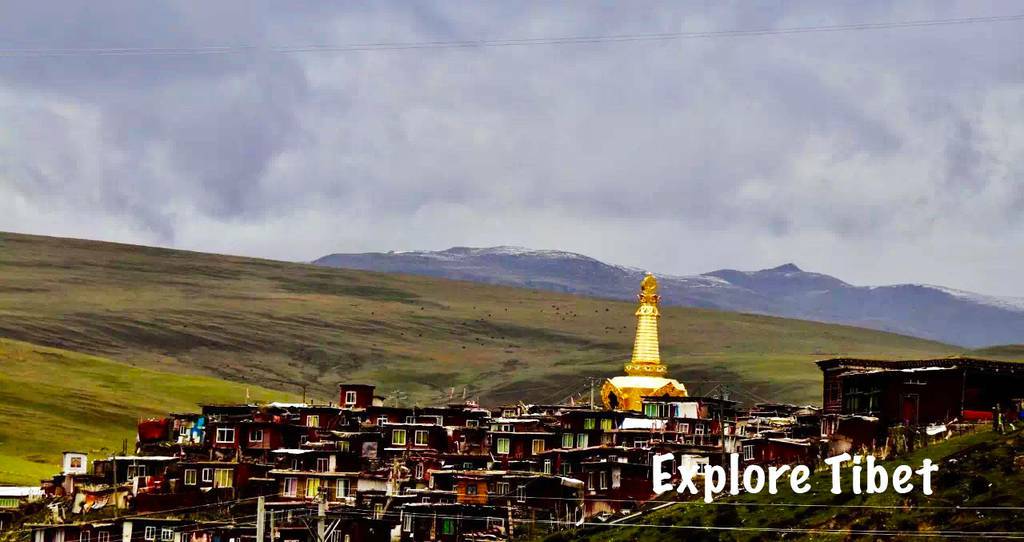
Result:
pixel 976 490
pixel 53 400
pixel 1009 352
pixel 285 325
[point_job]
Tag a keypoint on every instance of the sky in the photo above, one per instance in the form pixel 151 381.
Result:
pixel 879 156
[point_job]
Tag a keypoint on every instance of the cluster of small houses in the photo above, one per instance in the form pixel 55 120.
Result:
pixel 364 470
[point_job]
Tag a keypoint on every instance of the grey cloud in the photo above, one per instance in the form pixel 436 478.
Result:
pixel 748 151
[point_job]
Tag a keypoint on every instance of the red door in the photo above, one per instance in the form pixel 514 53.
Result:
pixel 908 409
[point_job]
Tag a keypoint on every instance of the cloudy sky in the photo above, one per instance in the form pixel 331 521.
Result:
pixel 880 156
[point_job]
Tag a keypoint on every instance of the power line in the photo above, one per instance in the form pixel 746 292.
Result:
pixel 471 44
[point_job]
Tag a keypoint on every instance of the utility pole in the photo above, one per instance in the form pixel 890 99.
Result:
pixel 321 521
pixel 723 395
pixel 261 512
pixel 591 393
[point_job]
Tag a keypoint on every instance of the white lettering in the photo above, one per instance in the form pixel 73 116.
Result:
pixel 836 463
pixel 900 477
pixel 688 472
pixel 878 479
pixel 748 474
pixel 798 479
pixel 926 470
pixel 714 481
pixel 662 476
pixel 774 473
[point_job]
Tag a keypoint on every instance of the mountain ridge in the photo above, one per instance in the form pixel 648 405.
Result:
pixel 922 310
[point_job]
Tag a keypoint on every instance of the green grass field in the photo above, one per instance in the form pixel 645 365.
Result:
pixel 286 325
pixel 53 400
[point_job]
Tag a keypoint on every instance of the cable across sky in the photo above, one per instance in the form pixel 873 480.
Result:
pixel 469 44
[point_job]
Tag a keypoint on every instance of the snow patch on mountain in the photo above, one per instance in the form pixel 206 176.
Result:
pixel 1006 303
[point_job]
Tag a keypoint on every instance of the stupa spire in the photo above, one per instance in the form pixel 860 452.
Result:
pixel 645 374
pixel 646 359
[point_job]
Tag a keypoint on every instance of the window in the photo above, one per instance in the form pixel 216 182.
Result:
pixel 207 474
pixel 748 453
pixel 410 419
pixel 103 536
pixel 407 522
pixel 166 534
pixel 398 437
pixel 567 440
pixel 312 488
pixel 341 489
pixel 698 429
pixel 343 446
pixel 378 511
pixel 84 536
pixel 472 423
pixel 135 471
pixel 150 533
pixel 582 440
pixel 566 469
pixel 684 428
pixel 521 493
pixel 323 464
pixel 538 445
pixel 190 477
pixel 225 435
pixel 602 478
pixel 651 410
pixel 312 420
pixel 505 428
pixel 503 445
pixel 639 443
pixel 606 424
pixel 381 420
pixel 422 437
pixel 467 466
pixel 350 397
pixel 588 423
pixel 223 478
pixel 420 471
pixel 291 486
pixel 256 435
pixel 502 488
pixel 471 488
pixel 547 466
pixel 448 526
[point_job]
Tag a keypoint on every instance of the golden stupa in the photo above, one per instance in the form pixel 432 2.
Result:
pixel 645 374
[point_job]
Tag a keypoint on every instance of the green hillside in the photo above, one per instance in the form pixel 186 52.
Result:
pixel 285 325
pixel 52 400
pixel 1009 352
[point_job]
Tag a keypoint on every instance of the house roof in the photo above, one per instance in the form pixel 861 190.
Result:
pixel 951 362
pixel 20 492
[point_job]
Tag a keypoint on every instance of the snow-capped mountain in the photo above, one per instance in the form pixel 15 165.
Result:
pixel 933 312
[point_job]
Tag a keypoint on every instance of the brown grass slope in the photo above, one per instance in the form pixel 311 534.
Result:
pixel 287 325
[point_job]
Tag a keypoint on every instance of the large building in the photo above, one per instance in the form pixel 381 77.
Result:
pixel 920 392
pixel 645 373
